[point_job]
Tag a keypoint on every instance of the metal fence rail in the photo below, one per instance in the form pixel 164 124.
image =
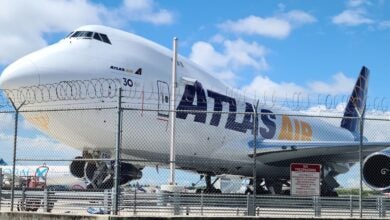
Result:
pixel 190 204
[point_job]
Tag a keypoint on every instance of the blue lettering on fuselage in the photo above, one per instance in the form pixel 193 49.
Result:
pixel 194 102
pixel 188 106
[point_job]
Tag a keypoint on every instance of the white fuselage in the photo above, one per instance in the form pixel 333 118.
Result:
pixel 205 142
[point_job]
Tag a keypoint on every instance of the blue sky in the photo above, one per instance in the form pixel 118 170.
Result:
pixel 309 47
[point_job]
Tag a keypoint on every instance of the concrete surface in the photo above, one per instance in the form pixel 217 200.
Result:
pixel 47 216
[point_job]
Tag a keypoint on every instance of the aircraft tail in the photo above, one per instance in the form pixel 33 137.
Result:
pixel 2 162
pixel 357 102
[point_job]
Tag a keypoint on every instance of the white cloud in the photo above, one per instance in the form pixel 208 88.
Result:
pixel 242 53
pixel 352 17
pixel 147 11
pixel 278 26
pixel 228 57
pixel 297 17
pixel 331 109
pixel 235 55
pixel 384 24
pixel 356 3
pixel 24 23
pixel 332 95
pixel 252 25
pixel 262 86
pixel 205 55
pixel 218 38
pixel 340 84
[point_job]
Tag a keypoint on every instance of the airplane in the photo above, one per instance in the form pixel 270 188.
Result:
pixel 53 177
pixel 209 143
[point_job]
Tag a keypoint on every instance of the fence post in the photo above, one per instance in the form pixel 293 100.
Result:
pixel 22 206
pixel 106 199
pixel 250 207
pixel 176 203
pixel 254 161
pixel 361 164
pixel 135 201
pixel 317 206
pixel 45 200
pixel 351 205
pixel 381 207
pixel 1 185
pixel 14 151
pixel 201 202
pixel 116 189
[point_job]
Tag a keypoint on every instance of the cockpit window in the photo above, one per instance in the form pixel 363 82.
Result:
pixel 90 35
pixel 82 34
pixel 69 34
pixel 96 36
pixel 105 38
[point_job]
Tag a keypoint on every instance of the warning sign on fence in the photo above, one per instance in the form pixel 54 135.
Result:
pixel 305 179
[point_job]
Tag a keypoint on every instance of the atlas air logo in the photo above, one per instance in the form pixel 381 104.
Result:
pixel 194 102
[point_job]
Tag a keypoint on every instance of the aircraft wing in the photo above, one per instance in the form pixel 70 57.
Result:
pixel 283 153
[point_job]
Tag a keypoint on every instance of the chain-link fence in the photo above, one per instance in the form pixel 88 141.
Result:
pixel 69 154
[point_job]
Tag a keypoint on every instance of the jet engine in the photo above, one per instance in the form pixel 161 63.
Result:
pixel 376 170
pixel 101 176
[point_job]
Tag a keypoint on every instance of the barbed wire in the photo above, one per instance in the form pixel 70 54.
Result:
pixel 90 91
pixel 65 90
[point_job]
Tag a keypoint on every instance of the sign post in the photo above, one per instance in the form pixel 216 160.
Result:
pixel 305 179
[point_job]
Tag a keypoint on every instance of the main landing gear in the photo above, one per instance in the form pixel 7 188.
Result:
pixel 100 174
pixel 268 186
pixel 210 189
pixel 282 187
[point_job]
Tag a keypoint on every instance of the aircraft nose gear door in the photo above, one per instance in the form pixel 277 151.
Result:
pixel 163 99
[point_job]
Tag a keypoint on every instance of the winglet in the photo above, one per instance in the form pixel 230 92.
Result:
pixel 357 102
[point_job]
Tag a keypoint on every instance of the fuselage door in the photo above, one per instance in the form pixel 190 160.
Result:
pixel 163 99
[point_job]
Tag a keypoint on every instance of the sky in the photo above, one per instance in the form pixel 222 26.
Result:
pixel 307 47
pixel 259 47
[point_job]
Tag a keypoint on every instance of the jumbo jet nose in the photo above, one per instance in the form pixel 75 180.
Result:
pixel 21 73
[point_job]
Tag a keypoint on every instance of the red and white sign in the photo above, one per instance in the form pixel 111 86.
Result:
pixel 305 179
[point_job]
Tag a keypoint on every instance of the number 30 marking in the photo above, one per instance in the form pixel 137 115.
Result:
pixel 128 82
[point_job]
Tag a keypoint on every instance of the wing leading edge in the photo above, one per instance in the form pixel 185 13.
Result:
pixel 281 153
